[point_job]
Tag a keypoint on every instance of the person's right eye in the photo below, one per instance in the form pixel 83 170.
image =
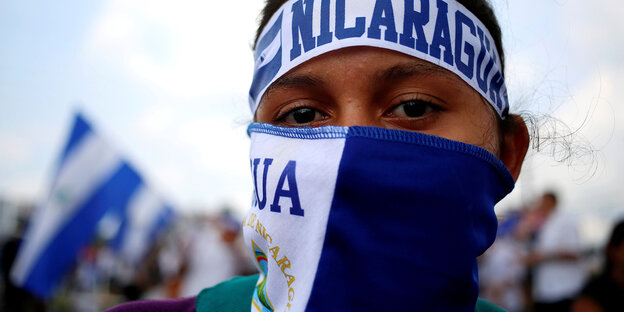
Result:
pixel 300 117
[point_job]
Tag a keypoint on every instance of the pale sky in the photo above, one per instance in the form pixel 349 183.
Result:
pixel 166 83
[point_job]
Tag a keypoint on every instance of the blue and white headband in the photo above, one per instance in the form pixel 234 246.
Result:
pixel 442 32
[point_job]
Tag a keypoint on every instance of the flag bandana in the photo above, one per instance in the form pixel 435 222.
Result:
pixel 365 218
pixel 442 32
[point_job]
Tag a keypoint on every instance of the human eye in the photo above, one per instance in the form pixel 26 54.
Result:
pixel 300 117
pixel 414 112
pixel 413 108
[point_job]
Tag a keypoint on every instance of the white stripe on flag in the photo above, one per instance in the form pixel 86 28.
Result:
pixel 144 209
pixel 270 52
pixel 87 166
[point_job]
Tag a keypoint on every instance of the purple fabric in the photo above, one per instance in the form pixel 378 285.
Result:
pixel 177 305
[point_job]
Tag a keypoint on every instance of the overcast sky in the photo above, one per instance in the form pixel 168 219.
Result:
pixel 166 82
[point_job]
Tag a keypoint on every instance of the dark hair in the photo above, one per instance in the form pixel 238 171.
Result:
pixel 552 195
pixel 615 241
pixel 617 235
pixel 480 8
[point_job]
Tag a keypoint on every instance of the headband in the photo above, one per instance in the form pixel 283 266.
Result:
pixel 442 32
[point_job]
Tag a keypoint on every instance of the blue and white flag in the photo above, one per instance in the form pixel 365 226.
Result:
pixel 141 224
pixel 369 219
pixel 91 181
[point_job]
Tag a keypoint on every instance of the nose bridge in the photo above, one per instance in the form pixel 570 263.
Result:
pixel 353 90
pixel 357 111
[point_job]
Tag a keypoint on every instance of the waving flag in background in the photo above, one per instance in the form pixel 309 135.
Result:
pixel 91 181
pixel 144 218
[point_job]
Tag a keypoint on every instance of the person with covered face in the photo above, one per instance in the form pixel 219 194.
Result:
pixel 381 141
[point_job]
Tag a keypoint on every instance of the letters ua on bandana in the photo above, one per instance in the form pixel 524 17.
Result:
pixel 442 32
pixel 363 218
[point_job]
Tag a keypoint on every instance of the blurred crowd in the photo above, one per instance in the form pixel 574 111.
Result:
pixel 198 251
pixel 539 263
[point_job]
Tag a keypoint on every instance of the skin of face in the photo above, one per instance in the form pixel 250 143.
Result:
pixel 367 86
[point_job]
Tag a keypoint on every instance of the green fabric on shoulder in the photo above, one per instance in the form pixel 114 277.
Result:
pixel 232 295
pixel 485 306
pixel 235 295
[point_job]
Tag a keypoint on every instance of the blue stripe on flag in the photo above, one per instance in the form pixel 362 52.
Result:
pixel 365 263
pixel 79 130
pixel 164 220
pixel 62 251
pixel 120 236
pixel 160 223
pixel 269 37
pixel 267 72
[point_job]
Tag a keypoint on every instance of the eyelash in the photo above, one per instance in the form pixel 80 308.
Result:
pixel 418 99
pixel 284 113
pixel 426 104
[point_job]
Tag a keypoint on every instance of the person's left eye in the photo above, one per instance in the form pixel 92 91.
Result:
pixel 413 108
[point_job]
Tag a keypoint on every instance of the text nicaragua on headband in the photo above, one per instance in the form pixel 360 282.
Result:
pixel 442 32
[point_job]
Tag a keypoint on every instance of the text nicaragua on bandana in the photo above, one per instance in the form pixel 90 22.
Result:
pixel 442 32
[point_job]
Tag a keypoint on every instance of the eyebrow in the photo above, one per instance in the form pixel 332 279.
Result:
pixel 393 73
pixel 296 81
pixel 412 69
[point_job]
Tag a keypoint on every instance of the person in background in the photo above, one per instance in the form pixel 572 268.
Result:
pixel 211 254
pixel 501 270
pixel 14 298
pixel 558 272
pixel 605 293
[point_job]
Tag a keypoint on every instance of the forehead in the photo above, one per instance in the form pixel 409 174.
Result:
pixel 375 65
